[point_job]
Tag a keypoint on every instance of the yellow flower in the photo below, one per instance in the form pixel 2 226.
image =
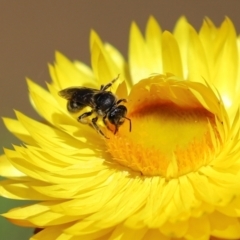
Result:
pixel 176 175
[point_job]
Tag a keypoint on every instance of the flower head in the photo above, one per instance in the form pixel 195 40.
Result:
pixel 175 175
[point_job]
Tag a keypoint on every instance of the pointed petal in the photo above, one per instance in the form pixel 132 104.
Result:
pixel 181 33
pixel 154 45
pixel 226 63
pixel 139 61
pixel 15 127
pixel 171 58
pixel 197 62
pixel 104 67
pixel 7 170
pixel 68 75
pixel 21 191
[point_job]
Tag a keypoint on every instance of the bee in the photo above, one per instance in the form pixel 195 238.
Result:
pixel 102 102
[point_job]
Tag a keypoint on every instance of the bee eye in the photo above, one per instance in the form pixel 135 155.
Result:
pixel 73 106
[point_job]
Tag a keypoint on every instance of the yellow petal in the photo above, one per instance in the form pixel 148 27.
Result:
pixel 49 233
pixel 226 62
pixel 122 232
pixel 67 74
pixel 8 170
pixel 155 234
pixel 19 130
pixel 119 60
pixel 153 45
pixel 224 227
pixel 139 60
pixel 172 62
pixel 181 33
pixel 176 230
pixel 105 69
pixel 199 228
pixel 207 35
pixel 21 191
pixel 197 62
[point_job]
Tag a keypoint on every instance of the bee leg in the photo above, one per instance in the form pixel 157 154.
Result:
pixel 103 88
pixel 82 117
pixel 94 123
pixel 121 100
pixel 105 122
pixel 116 129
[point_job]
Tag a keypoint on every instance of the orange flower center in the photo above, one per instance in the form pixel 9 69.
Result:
pixel 166 140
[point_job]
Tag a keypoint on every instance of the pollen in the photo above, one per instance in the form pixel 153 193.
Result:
pixel 166 139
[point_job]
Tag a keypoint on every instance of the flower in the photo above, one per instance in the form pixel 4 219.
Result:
pixel 176 175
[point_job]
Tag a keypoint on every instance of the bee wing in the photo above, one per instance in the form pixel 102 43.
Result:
pixel 69 93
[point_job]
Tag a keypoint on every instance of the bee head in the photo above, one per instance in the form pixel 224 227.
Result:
pixel 117 117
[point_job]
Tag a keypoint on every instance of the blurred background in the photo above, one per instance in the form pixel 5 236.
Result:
pixel 31 31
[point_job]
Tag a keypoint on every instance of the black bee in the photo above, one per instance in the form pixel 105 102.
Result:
pixel 104 103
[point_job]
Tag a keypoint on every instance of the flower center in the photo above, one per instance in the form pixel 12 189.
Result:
pixel 166 140
pixel 173 133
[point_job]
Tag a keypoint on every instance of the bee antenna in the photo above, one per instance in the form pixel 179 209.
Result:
pixel 115 79
pixel 130 123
